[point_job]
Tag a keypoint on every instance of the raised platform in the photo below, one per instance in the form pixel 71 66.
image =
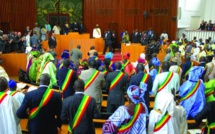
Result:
pixel 200 34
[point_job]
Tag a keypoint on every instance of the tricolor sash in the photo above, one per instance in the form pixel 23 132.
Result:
pixel 80 112
pixel 12 93
pixel 209 127
pixel 159 70
pixel 164 119
pixel 138 110
pixel 192 91
pixel 111 64
pixel 125 64
pixel 105 72
pixel 145 78
pixel 178 70
pixel 116 80
pixel 187 72
pixel 45 99
pixel 166 81
pixel 61 66
pixel 152 67
pixel 2 96
pixel 97 30
pixel 67 80
pixel 209 93
pixel 91 79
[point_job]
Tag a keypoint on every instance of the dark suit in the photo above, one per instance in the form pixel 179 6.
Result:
pixel 48 118
pixel 70 106
pixel 116 95
pixel 185 67
pixel 52 42
pixel 61 75
pixel 135 37
pixel 136 79
pixel 108 41
pixel 34 41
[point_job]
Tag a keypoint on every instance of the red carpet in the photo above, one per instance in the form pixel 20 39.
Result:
pixel 116 57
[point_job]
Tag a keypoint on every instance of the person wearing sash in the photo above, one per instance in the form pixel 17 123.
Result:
pixel 186 67
pixel 9 122
pixel 161 120
pixel 79 110
pixel 91 52
pixel 175 68
pixel 44 107
pixel 76 55
pixel 66 28
pixel 130 119
pixel 64 56
pixel 109 56
pixel 105 69
pixel 192 92
pixel 209 90
pixel 116 84
pixel 140 77
pixel 207 113
pixel 166 80
pixel 66 78
pixel 127 66
pixel 210 69
pixel 18 96
pixel 97 32
pixel 98 61
pixel 94 82
pixel 48 29
pixel 155 69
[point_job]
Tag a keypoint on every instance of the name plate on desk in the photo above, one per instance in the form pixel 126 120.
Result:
pixel 127 44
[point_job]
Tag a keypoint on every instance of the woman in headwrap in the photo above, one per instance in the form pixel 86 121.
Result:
pixel 108 65
pixel 209 90
pixel 161 119
pixel 192 92
pixel 47 66
pixel 127 66
pixel 30 59
pixel 142 60
pixel 130 119
pixel 65 55
pixel 155 68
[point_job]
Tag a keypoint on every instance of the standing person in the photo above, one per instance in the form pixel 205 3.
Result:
pixel 34 40
pixel 114 40
pixel 37 30
pixel 186 67
pixel 80 110
pixel 192 92
pixel 81 28
pixel 48 28
pixel 8 107
pixel 43 33
pixel 94 82
pixel 116 85
pixel 161 119
pixel 175 68
pixel 91 52
pixel 125 37
pixel 66 78
pixel 56 29
pixel 76 55
pixel 127 66
pixel 18 96
pixel 166 80
pixel 52 42
pixel 97 32
pixel 135 37
pixel 66 28
pixel 155 68
pixel 108 41
pixel 130 119
pixel 209 69
pixel 45 108
pixel 142 77
pixel 207 113
pixel 75 26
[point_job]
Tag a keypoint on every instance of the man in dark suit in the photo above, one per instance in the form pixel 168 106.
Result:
pixel 47 121
pixel 61 77
pixel 71 106
pixel 136 80
pixel 186 66
pixel 116 93
pixel 34 40
pixel 108 41
pixel 114 40
pixel 135 37
pixel 74 27
pixel 52 42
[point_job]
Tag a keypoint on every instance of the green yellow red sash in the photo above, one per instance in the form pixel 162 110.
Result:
pixel 178 70
pixel 91 79
pixel 61 66
pixel 116 80
pixel 166 81
pixel 187 72
pixel 209 127
pixel 192 91
pixel 209 93
pixel 111 64
pixel 45 99
pixel 105 72
pixel 125 64
pixel 2 96
pixel 145 78
pixel 80 112
pixel 13 93
pixel 137 112
pixel 152 67
pixel 97 30
pixel 67 80
pixel 159 70
pixel 164 119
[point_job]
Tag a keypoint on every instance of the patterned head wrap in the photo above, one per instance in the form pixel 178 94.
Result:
pixel 156 62
pixel 65 54
pixel 136 94
pixel 109 55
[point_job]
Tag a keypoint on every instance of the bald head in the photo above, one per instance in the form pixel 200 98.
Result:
pixel 79 85
pixel 118 65
pixel 166 66
pixel 3 84
pixel 45 79
pixel 140 67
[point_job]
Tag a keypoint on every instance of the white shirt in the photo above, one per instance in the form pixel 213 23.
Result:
pixel 165 35
pixel 173 83
pixel 27 39
pixel 9 122
pixel 56 30
pixel 180 121
pixel 97 33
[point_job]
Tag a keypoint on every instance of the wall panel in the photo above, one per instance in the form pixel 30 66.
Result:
pixel 128 14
